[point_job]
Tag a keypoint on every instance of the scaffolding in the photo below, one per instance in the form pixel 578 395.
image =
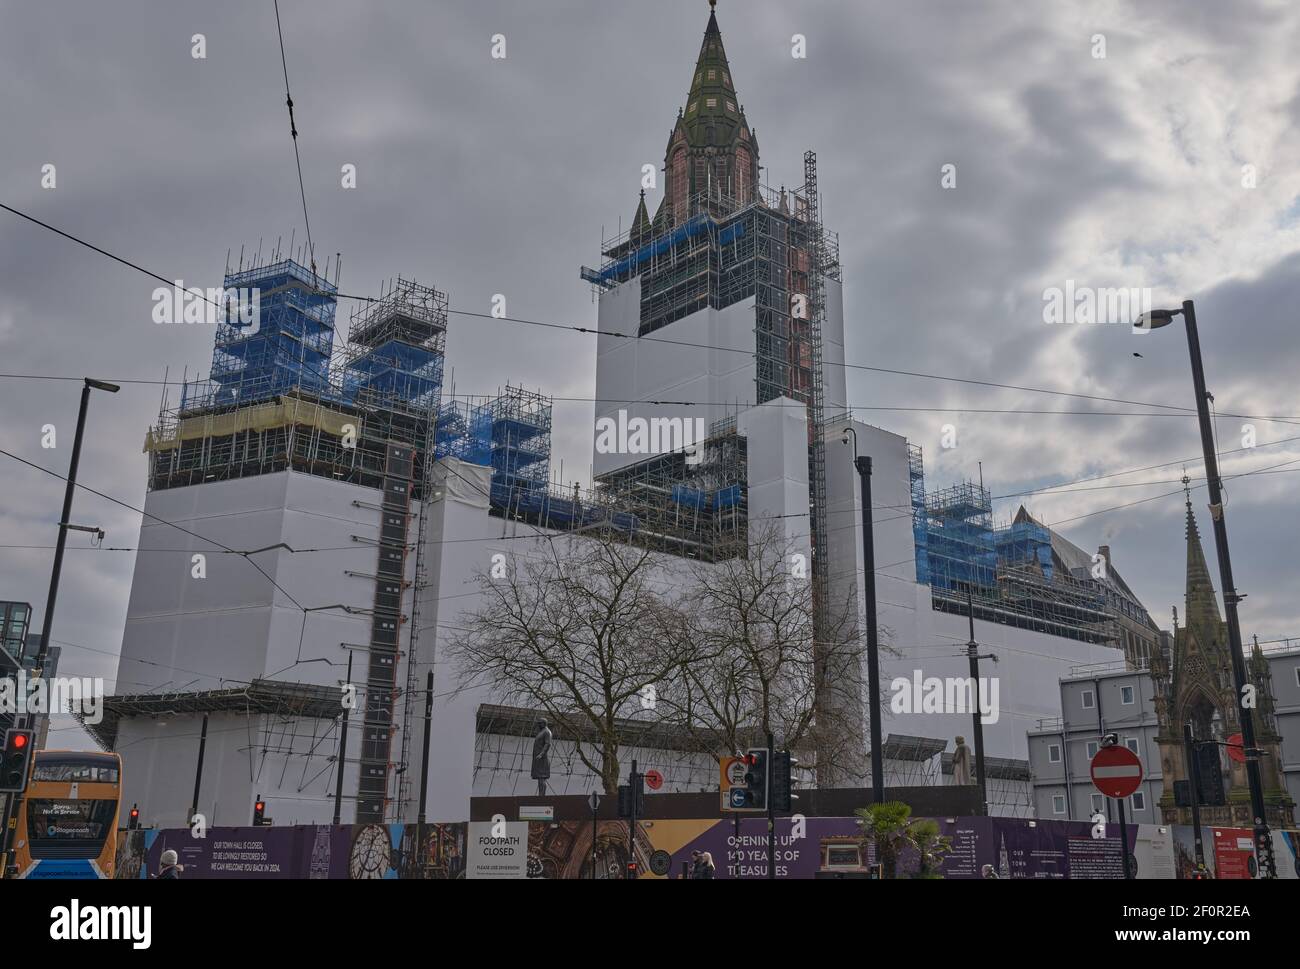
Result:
pixel 287 345
pixel 397 345
pixel 960 550
pixel 690 504
pixel 920 523
pixel 274 403
pixel 771 248
pixel 1005 574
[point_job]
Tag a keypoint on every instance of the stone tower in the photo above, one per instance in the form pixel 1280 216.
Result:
pixel 1195 685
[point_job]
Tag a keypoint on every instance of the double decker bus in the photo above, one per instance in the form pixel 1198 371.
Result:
pixel 67 824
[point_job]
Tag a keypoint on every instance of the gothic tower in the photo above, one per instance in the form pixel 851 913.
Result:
pixel 1195 686
pixel 712 151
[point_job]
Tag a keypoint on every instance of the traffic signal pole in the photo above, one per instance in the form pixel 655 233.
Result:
pixel 1194 784
pixel 771 809
pixel 631 824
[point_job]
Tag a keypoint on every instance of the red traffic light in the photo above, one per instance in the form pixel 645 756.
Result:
pixel 20 740
pixel 259 806
pixel 135 812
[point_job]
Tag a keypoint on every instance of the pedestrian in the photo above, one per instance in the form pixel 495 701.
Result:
pixel 694 870
pixel 169 867
pixel 705 868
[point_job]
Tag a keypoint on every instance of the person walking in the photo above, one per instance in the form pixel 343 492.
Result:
pixel 169 867
pixel 704 867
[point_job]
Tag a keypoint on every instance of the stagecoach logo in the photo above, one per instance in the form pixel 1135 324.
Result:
pixel 655 435
pixel 80 695
pixel 102 923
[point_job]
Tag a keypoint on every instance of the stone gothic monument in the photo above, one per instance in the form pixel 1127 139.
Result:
pixel 1194 684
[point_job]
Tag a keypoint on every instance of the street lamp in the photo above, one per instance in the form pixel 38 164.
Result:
pixel 65 524
pixel 1153 320
pixel 863 464
pixel 65 518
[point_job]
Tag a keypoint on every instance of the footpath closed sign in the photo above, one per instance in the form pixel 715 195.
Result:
pixel 497 850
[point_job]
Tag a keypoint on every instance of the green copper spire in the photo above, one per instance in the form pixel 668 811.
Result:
pixel 712 151
pixel 711 103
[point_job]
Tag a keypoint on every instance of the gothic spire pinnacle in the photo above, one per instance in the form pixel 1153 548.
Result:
pixel 1202 608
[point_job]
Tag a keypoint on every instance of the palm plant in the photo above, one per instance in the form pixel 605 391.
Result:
pixel 891 828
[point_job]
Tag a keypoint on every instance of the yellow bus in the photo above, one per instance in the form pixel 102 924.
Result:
pixel 67 825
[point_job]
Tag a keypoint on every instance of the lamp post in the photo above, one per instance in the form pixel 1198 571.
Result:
pixel 64 524
pixel 973 655
pixel 863 465
pixel 1154 320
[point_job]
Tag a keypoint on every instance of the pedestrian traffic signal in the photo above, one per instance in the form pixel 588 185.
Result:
pixel 756 778
pixel 135 818
pixel 259 812
pixel 783 795
pixel 16 760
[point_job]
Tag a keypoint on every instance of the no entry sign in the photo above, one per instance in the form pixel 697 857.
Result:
pixel 1116 771
pixel 1235 749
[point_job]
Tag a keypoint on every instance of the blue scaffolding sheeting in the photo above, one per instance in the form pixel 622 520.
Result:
pixel 511 434
pixel 287 345
pixel 1026 543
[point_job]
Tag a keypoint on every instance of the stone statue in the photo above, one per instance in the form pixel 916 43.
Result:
pixel 542 756
pixel 961 763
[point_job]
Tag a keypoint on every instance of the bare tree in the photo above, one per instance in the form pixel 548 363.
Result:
pixel 755 664
pixel 582 631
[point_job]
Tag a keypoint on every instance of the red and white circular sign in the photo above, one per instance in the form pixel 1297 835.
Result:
pixel 1116 771
pixel 654 780
pixel 1236 750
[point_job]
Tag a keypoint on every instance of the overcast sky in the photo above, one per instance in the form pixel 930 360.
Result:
pixel 1169 163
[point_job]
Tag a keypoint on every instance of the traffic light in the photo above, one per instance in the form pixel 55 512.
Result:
pixel 259 812
pixel 135 818
pixel 625 798
pixel 783 795
pixel 16 760
pixel 1210 775
pixel 756 777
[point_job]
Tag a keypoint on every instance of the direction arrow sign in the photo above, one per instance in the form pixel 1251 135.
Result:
pixel 1116 771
